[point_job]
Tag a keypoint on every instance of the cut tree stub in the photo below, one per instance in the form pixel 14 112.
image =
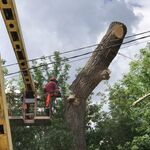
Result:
pixel 118 31
pixel 95 70
pixel 91 74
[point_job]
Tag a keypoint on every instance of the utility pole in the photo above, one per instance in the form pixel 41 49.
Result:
pixel 5 133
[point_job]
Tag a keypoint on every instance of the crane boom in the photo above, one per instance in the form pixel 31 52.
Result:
pixel 10 16
pixel 29 107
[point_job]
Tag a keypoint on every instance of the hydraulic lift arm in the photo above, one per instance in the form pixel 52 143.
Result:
pixel 10 16
pixel 9 13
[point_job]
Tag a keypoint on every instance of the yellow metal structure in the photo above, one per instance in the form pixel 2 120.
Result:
pixel 10 16
pixel 5 134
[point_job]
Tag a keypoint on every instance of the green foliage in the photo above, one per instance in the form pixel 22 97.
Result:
pixel 53 137
pixel 125 127
pixel 133 123
pixel 5 70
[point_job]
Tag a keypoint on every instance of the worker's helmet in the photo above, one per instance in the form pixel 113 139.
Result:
pixel 53 78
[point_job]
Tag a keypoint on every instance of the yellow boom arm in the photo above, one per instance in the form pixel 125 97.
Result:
pixel 10 16
pixel 9 13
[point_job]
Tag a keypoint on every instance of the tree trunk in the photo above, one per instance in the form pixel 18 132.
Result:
pixel 91 75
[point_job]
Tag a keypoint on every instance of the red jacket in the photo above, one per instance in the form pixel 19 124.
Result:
pixel 50 87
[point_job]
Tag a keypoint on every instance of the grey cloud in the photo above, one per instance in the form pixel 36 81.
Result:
pixel 65 24
pixel 74 22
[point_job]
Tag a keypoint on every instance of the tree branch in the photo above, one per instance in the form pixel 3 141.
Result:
pixel 91 75
pixel 141 99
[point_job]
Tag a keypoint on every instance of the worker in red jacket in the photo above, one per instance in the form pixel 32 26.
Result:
pixel 52 91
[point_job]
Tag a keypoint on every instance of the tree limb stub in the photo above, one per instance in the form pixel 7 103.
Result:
pixel 96 68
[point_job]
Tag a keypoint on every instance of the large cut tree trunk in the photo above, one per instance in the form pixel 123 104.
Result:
pixel 91 75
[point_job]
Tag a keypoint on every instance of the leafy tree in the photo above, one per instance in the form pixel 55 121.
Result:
pixel 56 136
pixel 125 127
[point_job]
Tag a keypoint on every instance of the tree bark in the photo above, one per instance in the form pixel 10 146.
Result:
pixel 91 75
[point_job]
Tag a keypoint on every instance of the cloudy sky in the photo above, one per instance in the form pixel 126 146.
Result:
pixel 50 25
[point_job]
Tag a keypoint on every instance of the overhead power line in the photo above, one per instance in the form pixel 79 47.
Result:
pixel 124 56
pixel 137 34
pixel 77 49
pixel 121 54
pixel 76 56
pixel 77 60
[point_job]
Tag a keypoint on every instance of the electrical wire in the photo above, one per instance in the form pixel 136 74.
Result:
pixel 77 49
pixel 72 62
pixel 121 54
pixel 125 56
pixel 76 56
pixel 137 34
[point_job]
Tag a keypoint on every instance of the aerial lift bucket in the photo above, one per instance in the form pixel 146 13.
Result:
pixel 29 109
